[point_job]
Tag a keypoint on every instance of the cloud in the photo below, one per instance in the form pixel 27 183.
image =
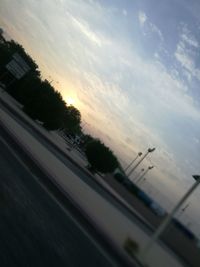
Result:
pixel 186 51
pixel 142 18
pixel 184 58
pixel 83 26
pixel 132 101
pixel 150 27
pixel 133 97
pixel 155 29
pixel 187 37
pixel 196 140
pixel 190 40
pixel 125 13
pixel 127 117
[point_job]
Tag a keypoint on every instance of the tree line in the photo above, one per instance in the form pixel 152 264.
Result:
pixel 42 102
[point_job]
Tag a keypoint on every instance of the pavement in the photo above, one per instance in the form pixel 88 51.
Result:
pixel 96 202
pixel 68 159
pixel 34 228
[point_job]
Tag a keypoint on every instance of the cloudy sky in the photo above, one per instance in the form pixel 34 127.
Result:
pixel 133 69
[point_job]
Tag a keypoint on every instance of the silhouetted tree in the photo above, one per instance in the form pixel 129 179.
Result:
pixel 100 157
pixel 86 139
pixel 17 48
pixel 72 120
pixel 7 49
pixel 41 101
pixel 45 104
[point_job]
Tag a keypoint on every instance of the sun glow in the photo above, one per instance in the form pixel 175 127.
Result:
pixel 70 100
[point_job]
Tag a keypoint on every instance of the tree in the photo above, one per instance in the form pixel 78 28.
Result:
pixel 72 120
pixel 45 104
pixel 2 39
pixel 39 98
pixel 8 48
pixel 100 157
pixel 85 139
pixel 14 47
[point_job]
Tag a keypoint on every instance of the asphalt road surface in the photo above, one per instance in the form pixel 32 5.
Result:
pixel 74 167
pixel 34 228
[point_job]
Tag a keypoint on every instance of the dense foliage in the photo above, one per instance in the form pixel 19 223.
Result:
pixel 42 102
pixel 72 120
pixel 39 98
pixel 100 157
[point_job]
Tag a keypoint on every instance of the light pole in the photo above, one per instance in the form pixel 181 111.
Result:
pixel 167 220
pixel 138 175
pixel 129 165
pixel 183 209
pixel 150 150
pixel 143 180
pixel 147 170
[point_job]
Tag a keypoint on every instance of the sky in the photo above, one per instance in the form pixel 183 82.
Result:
pixel 133 69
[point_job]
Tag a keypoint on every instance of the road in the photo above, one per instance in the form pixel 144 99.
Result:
pixel 34 229
pixel 79 171
pixel 75 168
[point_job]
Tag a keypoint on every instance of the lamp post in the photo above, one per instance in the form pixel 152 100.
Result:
pixel 143 180
pixel 184 209
pixel 137 176
pixel 167 220
pixel 147 170
pixel 150 150
pixel 129 165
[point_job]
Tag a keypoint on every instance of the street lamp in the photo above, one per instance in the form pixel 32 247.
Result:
pixel 147 170
pixel 150 150
pixel 167 220
pixel 137 176
pixel 183 209
pixel 143 180
pixel 129 165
